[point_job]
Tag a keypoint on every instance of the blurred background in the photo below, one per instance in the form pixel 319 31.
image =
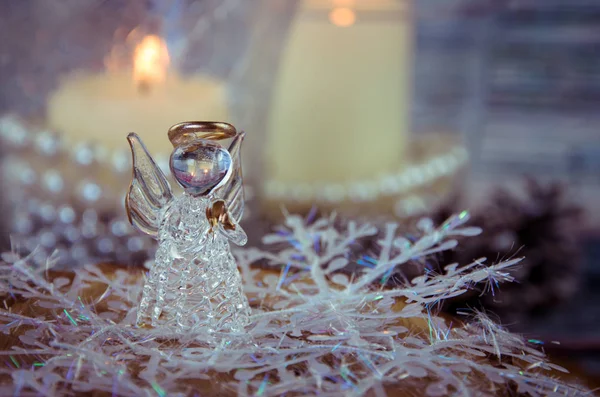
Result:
pixel 385 109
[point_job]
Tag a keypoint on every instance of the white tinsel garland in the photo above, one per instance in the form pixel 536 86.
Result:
pixel 314 330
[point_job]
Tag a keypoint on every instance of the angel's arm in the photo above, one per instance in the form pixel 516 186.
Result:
pixel 228 208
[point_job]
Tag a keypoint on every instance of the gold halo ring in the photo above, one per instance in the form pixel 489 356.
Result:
pixel 206 130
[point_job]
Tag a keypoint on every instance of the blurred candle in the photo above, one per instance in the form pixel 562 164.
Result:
pixel 148 100
pixel 340 106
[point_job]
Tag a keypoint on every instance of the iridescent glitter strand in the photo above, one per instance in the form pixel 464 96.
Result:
pixel 307 338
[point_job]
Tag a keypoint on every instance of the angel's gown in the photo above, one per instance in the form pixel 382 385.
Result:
pixel 194 282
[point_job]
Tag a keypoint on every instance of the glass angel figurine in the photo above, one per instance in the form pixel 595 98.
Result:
pixel 194 282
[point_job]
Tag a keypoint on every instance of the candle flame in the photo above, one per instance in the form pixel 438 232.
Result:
pixel 150 61
pixel 342 16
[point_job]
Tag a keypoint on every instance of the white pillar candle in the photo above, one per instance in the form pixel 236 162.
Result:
pixel 340 106
pixel 105 107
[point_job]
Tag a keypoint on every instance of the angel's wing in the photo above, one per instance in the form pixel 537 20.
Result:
pixel 232 192
pixel 149 191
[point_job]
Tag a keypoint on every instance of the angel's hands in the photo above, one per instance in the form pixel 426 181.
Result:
pixel 218 216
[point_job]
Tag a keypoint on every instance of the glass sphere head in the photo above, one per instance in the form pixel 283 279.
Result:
pixel 200 167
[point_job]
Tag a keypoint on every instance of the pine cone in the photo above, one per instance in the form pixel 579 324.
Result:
pixel 542 227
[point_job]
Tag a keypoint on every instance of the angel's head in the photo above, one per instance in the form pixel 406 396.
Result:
pixel 198 163
pixel 200 166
